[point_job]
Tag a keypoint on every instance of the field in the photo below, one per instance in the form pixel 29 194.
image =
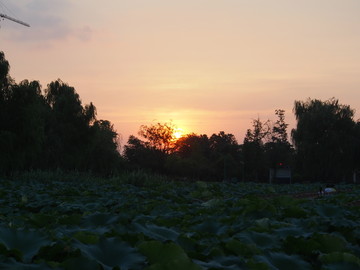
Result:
pixel 142 224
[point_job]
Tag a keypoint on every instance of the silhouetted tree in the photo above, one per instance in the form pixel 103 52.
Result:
pixel 278 150
pixel 192 158
pixel 5 79
pixel 139 155
pixel 254 152
pixel 225 155
pixel 22 126
pixel 68 127
pixel 53 130
pixel 324 139
pixel 102 154
pixel 159 136
pixel 6 137
pixel 279 130
pixel 152 152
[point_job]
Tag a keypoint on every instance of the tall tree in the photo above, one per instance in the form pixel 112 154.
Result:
pixel 102 154
pixel 159 136
pixel 67 127
pixel 139 155
pixel 278 150
pixel 192 157
pixel 254 152
pixel 151 153
pixel 324 139
pixel 225 155
pixel 279 130
pixel 22 126
pixel 53 130
pixel 76 139
pixel 4 72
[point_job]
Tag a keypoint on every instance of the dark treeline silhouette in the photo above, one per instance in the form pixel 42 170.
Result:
pixel 326 147
pixel 50 129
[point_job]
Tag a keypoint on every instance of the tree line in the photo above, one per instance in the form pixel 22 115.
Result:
pixel 50 129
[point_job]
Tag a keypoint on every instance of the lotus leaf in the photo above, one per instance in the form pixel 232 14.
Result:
pixel 27 242
pixel 278 260
pixel 14 265
pixel 112 252
pixel 166 256
pixel 156 232
pixel 340 257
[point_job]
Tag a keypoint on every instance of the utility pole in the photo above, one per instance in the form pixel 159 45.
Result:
pixel 14 20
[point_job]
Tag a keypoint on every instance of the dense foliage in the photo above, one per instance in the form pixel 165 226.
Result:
pixel 50 129
pixel 325 139
pixel 160 225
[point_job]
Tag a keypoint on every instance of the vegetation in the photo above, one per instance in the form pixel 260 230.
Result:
pixel 70 200
pixel 325 139
pixel 50 129
pixel 124 224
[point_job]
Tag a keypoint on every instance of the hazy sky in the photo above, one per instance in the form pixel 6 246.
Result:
pixel 208 65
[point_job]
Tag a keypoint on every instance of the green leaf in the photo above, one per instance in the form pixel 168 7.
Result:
pixel 112 252
pixel 301 245
pixel 210 226
pixel 27 242
pixel 223 262
pixel 41 220
pixel 242 249
pixel 73 219
pixel 330 211
pixel 279 260
pixel 294 212
pixel 211 203
pixel 14 265
pixel 340 266
pixel 166 256
pixel 57 252
pixel 340 257
pixel 86 237
pixel 261 240
pixel 296 231
pixel 255 265
pixel 80 263
pixel 330 243
pixel 100 219
pixel 157 232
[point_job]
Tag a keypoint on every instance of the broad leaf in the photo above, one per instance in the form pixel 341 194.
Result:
pixel 111 252
pixel 166 256
pixel 27 242
pixel 283 261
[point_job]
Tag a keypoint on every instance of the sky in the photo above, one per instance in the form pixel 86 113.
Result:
pixel 205 65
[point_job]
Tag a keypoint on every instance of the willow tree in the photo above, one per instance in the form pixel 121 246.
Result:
pixel 324 139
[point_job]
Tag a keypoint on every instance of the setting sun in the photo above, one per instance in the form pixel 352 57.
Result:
pixel 178 133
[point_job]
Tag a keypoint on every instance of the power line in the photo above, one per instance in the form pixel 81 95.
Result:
pixel 4 16
pixel 7 9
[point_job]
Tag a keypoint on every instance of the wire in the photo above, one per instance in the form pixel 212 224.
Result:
pixel 8 10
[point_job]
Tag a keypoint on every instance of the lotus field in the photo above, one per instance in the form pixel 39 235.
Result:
pixel 175 225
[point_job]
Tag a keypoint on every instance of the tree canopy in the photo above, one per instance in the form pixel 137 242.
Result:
pixel 50 128
pixel 324 139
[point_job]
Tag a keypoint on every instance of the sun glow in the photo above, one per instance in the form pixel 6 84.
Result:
pixel 178 133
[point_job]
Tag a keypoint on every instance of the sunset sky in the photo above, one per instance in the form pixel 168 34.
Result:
pixel 207 65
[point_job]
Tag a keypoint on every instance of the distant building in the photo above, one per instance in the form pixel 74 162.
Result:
pixel 281 174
